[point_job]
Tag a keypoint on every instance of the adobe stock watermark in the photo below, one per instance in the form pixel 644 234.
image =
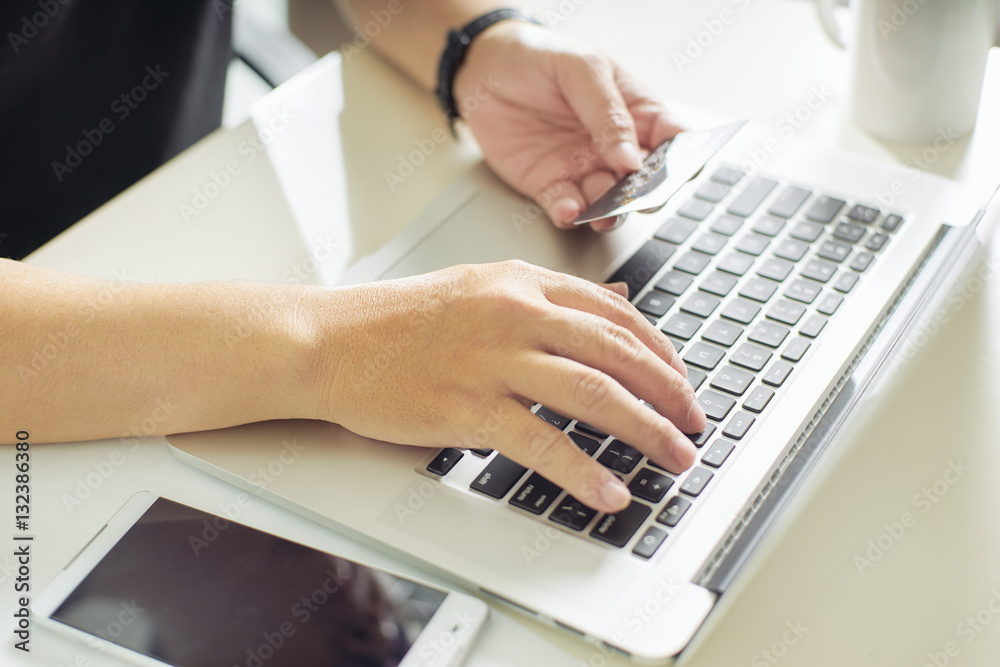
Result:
pixel 121 108
pixel 917 163
pixel 899 16
pixel 32 24
pixel 967 630
pixel 790 122
pixel 369 27
pixel 408 163
pixel 778 649
pixel 102 470
pixel 923 502
pixel 219 179
pixel 702 41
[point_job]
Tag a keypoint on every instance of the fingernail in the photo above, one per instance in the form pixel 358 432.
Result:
pixel 566 210
pixel 679 365
pixel 684 451
pixel 627 155
pixel 614 496
pixel 697 418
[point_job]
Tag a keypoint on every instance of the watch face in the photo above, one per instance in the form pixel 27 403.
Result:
pixel 672 164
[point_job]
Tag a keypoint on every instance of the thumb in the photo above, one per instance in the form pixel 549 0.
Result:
pixel 589 86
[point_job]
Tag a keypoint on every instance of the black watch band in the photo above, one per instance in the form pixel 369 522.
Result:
pixel 457 44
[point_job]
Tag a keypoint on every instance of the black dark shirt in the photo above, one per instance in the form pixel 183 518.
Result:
pixel 94 95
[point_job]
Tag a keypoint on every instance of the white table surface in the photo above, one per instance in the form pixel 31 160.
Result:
pixel 321 184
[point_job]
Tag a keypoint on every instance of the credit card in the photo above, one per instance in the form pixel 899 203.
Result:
pixel 672 164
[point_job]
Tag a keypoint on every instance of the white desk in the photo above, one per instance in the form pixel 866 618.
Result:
pixel 267 221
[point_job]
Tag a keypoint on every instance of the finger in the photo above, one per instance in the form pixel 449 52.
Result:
pixel 621 289
pixel 608 224
pixel 579 294
pixel 593 186
pixel 538 445
pixel 562 202
pixel 579 391
pixel 618 353
pixel 654 124
pixel 588 84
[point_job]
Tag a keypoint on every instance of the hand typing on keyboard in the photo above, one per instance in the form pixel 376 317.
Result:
pixel 459 356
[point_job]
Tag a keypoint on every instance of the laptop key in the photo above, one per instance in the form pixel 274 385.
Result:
pixel 699 439
pixel 768 333
pixel 825 209
pixel 481 452
pixel 848 233
pixel 617 529
pixel 741 311
pixel 655 303
pixel 681 326
pixel 445 461
pixel 649 542
pixel 758 289
pixel 795 349
pixel 695 209
pixel 877 241
pixel 787 312
pixel 675 231
pixel 775 269
pixel 813 326
pixel 802 290
pixel 758 399
pixel 727 224
pixel 751 357
pixel 693 262
pixel 833 250
pixel 863 214
pixel 673 511
pixel 674 282
pixel 498 477
pixel 819 269
pixel 753 244
pixel 718 453
pixel 891 223
pixel 712 191
pixel 861 261
pixel 830 303
pixel 592 430
pixel 777 374
pixel 722 333
pixel 572 514
pixel 619 457
pixel 727 175
pixel 716 405
pixel 791 250
pixel 650 485
pixel 696 378
pixel 753 194
pixel 704 356
pixel 718 283
pixel 845 282
pixel 551 417
pixel 678 345
pixel 535 495
pixel 641 266
pixel 732 380
pixel 789 201
pixel 696 481
pixel 738 425
pixel 736 263
pixel 710 243
pixel 768 225
pixel 700 304
pixel 806 231
pixel 588 445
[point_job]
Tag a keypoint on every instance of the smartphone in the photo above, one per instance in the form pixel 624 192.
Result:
pixel 168 584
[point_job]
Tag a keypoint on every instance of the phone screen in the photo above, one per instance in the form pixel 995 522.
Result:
pixel 191 588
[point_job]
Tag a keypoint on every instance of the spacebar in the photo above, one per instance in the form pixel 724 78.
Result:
pixel 641 266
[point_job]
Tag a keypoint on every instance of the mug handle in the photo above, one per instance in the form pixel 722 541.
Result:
pixel 830 24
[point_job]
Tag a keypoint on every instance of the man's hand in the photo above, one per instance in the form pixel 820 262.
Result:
pixel 433 360
pixel 556 120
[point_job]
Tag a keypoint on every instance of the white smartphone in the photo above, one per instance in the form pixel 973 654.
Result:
pixel 168 584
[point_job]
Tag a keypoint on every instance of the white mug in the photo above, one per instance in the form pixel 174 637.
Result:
pixel 916 65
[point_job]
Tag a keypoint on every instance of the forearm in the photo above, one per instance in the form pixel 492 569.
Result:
pixel 413 36
pixel 85 358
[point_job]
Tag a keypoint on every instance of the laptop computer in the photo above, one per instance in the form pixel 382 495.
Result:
pixel 789 280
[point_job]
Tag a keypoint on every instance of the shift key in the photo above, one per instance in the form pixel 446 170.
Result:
pixel 498 477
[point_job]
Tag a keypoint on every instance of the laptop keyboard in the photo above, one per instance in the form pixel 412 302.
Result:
pixel 742 289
